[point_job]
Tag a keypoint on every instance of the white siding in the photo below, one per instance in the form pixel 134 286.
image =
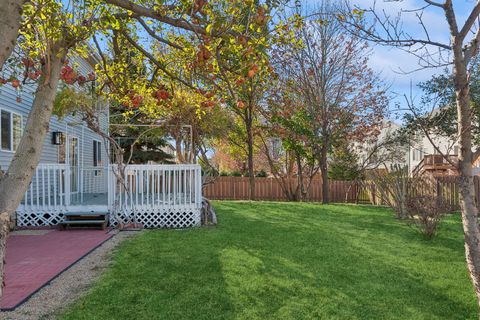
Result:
pixel 71 125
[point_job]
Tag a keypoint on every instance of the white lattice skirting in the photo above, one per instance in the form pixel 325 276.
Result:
pixel 177 219
pixel 150 218
pixel 39 219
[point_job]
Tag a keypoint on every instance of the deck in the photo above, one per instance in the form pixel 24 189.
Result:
pixel 437 165
pixel 153 195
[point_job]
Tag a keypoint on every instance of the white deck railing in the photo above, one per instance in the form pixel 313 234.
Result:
pixel 155 195
pixel 157 187
pixel 49 189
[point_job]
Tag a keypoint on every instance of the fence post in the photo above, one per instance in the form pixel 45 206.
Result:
pixel 374 196
pixel 271 190
pixel 439 190
pixel 234 193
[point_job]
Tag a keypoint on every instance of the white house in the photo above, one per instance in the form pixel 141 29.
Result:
pixel 75 174
pixel 381 151
pixel 424 154
pixel 421 153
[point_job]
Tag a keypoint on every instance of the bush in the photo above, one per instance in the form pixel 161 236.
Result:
pixel 262 174
pixel 392 187
pixel 236 174
pixel 426 212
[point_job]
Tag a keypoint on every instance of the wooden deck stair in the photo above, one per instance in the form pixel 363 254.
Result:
pixel 85 220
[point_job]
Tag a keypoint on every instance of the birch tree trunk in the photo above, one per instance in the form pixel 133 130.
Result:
pixel 10 21
pixel 27 156
pixel 467 189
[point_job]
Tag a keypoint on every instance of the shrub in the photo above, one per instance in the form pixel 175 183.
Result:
pixel 426 212
pixel 236 174
pixel 262 174
pixel 391 187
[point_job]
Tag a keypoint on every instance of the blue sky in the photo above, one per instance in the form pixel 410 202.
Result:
pixel 390 61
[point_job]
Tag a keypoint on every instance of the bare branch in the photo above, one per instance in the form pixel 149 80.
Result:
pixel 433 3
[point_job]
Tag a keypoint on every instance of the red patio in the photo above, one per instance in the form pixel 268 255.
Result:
pixel 35 257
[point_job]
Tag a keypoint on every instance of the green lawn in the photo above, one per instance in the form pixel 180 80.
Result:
pixel 270 260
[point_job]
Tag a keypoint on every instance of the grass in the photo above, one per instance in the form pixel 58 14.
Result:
pixel 270 260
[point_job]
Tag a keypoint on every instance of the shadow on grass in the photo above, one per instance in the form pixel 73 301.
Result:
pixel 286 261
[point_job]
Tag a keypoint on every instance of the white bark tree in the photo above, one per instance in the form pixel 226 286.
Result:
pixel 463 45
pixel 28 153
pixel 10 20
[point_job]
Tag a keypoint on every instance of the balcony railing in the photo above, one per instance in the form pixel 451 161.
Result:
pixel 434 162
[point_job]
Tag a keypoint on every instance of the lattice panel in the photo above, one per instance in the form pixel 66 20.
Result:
pixel 168 219
pixel 38 219
pixel 150 219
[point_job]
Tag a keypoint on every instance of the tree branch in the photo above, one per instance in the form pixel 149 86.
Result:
pixel 156 37
pixel 433 3
pixel 153 60
pixel 469 22
pixel 146 12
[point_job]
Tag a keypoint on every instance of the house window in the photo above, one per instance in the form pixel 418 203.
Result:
pixel 97 153
pixel 10 130
pixel 417 155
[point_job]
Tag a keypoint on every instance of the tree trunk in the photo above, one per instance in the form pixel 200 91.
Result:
pixel 301 186
pixel 324 171
pixel 10 20
pixel 467 189
pixel 178 149
pixel 251 170
pixel 27 156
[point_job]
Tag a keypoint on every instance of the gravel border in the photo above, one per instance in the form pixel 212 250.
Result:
pixel 53 298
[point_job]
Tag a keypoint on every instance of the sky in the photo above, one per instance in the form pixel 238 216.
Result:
pixel 390 61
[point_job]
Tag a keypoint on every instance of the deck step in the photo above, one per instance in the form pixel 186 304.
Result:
pixel 85 219
pixel 82 222
pixel 67 214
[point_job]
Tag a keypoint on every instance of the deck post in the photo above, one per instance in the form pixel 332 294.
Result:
pixel 67 185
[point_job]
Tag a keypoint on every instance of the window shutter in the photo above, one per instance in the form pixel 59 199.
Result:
pixel 99 153
pixel 95 162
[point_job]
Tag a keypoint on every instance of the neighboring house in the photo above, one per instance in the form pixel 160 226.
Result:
pixel 75 174
pixel 424 156
pixel 419 154
pixel 382 151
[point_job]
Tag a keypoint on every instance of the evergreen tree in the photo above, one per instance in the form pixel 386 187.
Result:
pixel 344 164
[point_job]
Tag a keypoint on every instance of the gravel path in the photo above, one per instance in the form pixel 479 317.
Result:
pixel 70 285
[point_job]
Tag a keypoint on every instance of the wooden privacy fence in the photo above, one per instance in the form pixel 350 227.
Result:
pixel 236 188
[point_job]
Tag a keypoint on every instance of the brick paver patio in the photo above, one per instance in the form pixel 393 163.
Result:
pixel 35 257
